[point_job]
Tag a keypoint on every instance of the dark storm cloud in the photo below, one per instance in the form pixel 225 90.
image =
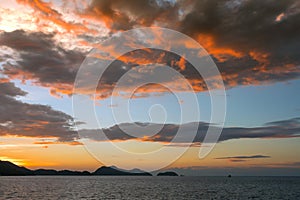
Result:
pixel 168 131
pixel 9 89
pixel 247 25
pixel 263 31
pixel 41 59
pixel 32 120
pixel 252 42
pixel 124 15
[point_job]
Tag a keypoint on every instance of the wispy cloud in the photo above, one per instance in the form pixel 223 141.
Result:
pixel 242 158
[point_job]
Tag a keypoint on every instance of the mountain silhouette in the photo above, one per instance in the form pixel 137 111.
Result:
pixel 51 172
pixel 9 169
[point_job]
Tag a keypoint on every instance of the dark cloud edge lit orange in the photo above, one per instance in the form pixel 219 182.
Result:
pixel 245 50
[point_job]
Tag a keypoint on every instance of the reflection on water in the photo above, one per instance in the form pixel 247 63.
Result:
pixel 99 187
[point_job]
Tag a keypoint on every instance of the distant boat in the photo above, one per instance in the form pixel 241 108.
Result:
pixel 229 176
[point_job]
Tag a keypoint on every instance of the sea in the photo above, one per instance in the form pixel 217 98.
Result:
pixel 132 187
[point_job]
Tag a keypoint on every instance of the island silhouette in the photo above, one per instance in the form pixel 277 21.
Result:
pixel 10 169
pixel 167 174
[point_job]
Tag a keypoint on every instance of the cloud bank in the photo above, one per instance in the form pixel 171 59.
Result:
pixel 252 42
pixel 32 120
pixel 280 129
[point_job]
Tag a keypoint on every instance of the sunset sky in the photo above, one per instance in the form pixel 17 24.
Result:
pixel 255 45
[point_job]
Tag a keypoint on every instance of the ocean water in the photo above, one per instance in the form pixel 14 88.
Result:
pixel 112 187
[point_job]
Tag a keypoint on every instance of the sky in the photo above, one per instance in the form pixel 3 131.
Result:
pixel 254 45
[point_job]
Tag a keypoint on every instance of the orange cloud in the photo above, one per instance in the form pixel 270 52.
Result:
pixel 4 80
pixel 72 143
pixel 180 63
pixel 46 12
pixel 62 83
pixel 221 53
pixel 262 58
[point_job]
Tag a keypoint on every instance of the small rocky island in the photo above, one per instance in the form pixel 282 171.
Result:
pixel 113 171
pixel 167 174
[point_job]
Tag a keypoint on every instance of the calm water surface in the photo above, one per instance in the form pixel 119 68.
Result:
pixel 99 187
